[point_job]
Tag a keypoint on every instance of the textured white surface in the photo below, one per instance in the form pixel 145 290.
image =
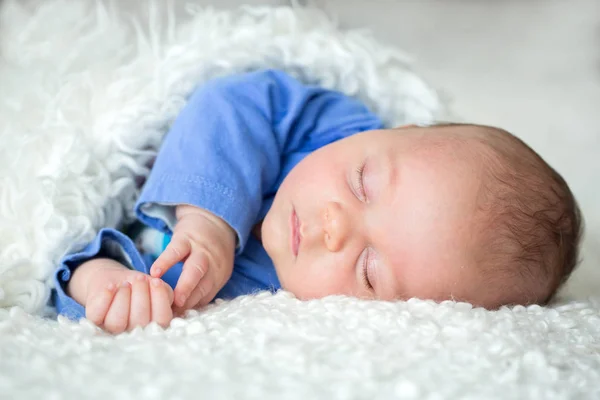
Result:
pixel 73 111
pixel 273 347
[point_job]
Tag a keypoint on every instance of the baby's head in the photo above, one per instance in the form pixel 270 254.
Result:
pixel 461 212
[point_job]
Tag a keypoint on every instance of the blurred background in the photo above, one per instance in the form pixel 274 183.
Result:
pixel 529 66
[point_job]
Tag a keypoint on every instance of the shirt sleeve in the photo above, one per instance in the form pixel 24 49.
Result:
pixel 224 151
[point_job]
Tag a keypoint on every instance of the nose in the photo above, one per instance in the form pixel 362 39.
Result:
pixel 336 226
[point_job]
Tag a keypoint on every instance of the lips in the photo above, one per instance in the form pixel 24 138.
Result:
pixel 295 236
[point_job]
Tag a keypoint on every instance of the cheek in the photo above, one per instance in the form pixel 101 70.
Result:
pixel 320 177
pixel 307 286
pixel 319 276
pixel 308 173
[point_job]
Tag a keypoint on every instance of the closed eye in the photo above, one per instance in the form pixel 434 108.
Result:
pixel 365 264
pixel 358 183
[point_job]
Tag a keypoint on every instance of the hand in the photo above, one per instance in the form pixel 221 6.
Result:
pixel 206 244
pixel 118 299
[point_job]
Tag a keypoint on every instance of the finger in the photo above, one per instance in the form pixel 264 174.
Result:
pixel 201 294
pixel 194 269
pixel 139 313
pixel 177 250
pixel 162 297
pixel 97 307
pixel 117 317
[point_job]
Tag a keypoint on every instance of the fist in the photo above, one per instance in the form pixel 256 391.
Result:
pixel 119 299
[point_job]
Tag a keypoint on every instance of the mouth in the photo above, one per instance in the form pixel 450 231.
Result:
pixel 295 233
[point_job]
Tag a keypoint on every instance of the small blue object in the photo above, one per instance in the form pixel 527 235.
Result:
pixel 151 241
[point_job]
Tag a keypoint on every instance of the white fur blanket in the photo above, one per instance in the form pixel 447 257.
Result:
pixel 85 97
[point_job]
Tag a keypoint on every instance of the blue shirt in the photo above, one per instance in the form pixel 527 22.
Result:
pixel 228 152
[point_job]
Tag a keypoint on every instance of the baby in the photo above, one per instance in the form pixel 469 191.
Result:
pixel 265 183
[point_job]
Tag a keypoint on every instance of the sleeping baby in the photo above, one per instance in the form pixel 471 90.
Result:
pixel 266 183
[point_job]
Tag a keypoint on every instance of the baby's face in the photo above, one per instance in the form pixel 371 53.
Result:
pixel 385 214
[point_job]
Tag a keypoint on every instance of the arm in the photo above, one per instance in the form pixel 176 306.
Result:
pixel 223 153
pixel 107 283
pixel 108 243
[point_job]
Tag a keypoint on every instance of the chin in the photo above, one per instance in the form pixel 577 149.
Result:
pixel 267 234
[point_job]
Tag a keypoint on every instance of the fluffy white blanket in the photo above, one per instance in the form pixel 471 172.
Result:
pixel 86 95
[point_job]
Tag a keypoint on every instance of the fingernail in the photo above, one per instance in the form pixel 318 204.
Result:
pixel 180 300
pixel 157 272
pixel 140 278
pixel 155 282
pixel 125 285
pixel 110 287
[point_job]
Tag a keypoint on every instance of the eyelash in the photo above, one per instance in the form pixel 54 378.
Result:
pixel 365 271
pixel 359 185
